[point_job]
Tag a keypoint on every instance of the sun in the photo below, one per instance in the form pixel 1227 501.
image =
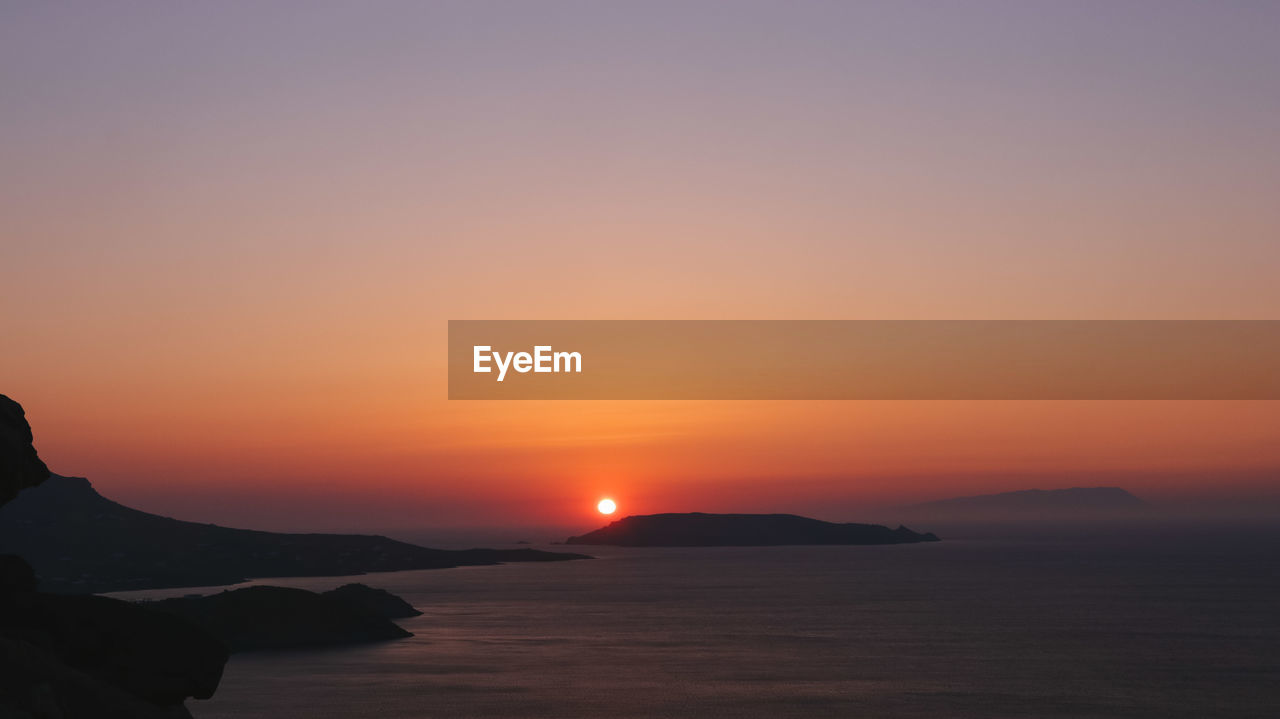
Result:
pixel 607 506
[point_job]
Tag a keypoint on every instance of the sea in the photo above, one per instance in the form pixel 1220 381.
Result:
pixel 1144 623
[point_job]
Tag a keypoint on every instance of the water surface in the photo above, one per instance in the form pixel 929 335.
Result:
pixel 1108 627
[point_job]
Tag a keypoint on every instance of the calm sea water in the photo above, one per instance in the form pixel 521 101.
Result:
pixel 1164 626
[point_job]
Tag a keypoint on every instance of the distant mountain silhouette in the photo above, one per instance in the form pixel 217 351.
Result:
pixel 741 530
pixel 1035 503
pixel 262 617
pixel 81 542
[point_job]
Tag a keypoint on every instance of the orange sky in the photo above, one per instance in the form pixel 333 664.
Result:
pixel 232 238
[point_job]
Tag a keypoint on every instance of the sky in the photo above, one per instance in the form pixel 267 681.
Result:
pixel 232 234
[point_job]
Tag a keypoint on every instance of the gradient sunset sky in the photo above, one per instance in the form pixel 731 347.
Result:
pixel 232 235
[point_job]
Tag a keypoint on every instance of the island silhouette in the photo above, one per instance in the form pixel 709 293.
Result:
pixel 1034 505
pixel 696 529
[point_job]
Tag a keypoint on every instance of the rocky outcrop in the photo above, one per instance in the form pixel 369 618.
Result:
pixel 86 656
pixel 378 601
pixel 20 466
pixel 741 530
pixel 72 657
pixel 37 684
pixel 264 617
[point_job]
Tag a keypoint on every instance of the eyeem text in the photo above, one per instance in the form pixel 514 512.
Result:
pixel 543 359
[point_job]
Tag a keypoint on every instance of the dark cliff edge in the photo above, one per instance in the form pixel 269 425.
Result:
pixel 79 657
pixel 81 542
pixel 264 617
pixel 741 530
pixel 20 466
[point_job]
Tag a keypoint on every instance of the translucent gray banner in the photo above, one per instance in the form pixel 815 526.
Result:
pixel 858 359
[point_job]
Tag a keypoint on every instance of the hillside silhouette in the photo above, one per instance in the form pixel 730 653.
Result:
pixel 81 542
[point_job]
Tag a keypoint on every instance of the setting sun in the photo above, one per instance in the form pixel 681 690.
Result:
pixel 607 506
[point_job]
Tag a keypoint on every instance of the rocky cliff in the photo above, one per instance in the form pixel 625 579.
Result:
pixel 20 466
pixel 72 657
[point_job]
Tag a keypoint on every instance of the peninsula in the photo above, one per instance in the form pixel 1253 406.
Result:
pixel 80 542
